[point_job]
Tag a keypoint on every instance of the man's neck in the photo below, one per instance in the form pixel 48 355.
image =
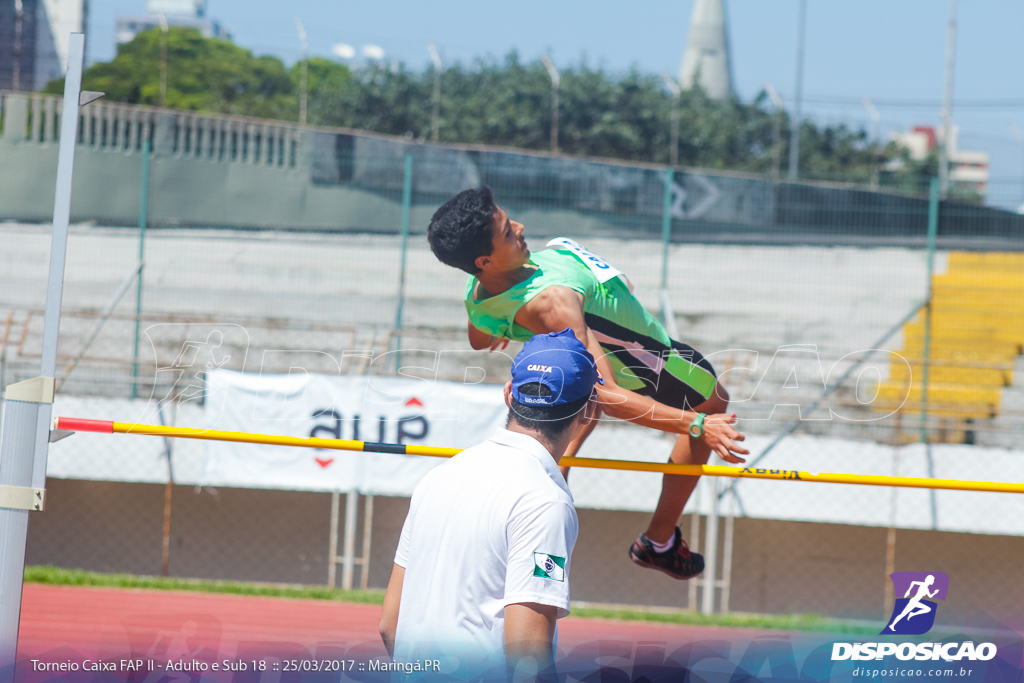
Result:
pixel 555 447
pixel 496 283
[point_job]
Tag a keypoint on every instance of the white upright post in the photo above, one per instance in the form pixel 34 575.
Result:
pixel 349 558
pixel 707 603
pixel 25 441
pixel 332 544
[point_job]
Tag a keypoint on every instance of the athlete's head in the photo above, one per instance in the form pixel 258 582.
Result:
pixel 553 380
pixel 472 233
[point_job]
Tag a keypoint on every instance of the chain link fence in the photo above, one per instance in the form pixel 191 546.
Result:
pixel 825 309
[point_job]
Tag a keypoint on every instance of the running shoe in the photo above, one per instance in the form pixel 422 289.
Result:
pixel 678 562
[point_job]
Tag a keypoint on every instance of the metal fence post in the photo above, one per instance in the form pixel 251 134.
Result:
pixel 406 208
pixel 26 433
pixel 666 225
pixel 143 208
pixel 933 229
pixel 667 314
pixel 710 578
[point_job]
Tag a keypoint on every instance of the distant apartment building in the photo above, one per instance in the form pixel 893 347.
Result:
pixel 967 170
pixel 34 37
pixel 186 13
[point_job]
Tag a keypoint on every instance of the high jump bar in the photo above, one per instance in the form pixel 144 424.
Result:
pixel 73 424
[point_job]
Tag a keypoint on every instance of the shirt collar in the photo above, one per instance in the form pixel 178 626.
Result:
pixel 528 444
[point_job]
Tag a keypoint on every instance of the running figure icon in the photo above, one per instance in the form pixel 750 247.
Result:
pixel 915 607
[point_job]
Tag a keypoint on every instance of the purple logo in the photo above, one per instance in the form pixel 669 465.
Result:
pixel 914 612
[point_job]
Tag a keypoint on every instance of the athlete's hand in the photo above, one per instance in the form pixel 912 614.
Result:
pixel 720 435
pixel 497 343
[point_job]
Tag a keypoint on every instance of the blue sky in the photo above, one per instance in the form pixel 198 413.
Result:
pixel 892 51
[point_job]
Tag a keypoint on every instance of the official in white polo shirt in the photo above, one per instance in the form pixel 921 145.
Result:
pixel 484 558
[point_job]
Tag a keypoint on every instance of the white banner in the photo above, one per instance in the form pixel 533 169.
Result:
pixel 383 409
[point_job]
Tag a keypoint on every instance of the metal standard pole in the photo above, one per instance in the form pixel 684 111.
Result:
pixel 143 211
pixel 436 113
pixel 553 73
pixel 304 82
pixel 24 447
pixel 406 209
pixel 947 102
pixel 794 147
pixel 777 109
pixel 933 229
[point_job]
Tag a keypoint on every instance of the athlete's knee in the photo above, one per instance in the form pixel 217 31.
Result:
pixel 717 403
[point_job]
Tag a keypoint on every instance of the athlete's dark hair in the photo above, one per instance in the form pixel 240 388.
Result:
pixel 550 421
pixel 460 231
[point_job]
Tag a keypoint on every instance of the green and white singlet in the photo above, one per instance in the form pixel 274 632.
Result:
pixel 644 358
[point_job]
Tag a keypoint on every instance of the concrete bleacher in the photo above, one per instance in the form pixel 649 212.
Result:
pixel 977 339
pixel 326 296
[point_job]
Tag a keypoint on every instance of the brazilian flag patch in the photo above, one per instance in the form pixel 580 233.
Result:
pixel 548 566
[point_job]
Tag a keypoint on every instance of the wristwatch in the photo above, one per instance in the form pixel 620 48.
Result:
pixel 697 426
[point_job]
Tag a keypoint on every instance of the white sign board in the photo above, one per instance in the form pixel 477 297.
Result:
pixel 381 409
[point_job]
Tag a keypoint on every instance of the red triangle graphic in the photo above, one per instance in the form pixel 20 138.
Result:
pixel 324 463
pixel 414 402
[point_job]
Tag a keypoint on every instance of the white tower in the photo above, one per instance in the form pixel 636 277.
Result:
pixel 707 51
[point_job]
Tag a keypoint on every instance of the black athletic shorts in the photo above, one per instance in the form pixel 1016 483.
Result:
pixel 675 389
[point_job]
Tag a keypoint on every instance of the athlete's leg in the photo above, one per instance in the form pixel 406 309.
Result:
pixel 676 489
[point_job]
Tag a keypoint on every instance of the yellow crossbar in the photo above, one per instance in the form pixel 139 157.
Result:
pixel 75 424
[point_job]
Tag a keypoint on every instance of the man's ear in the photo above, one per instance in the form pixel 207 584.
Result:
pixel 508 394
pixel 481 261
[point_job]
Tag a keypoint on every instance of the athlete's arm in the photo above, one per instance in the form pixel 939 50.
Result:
pixel 910 588
pixel 389 614
pixel 557 308
pixel 479 339
pixel 529 639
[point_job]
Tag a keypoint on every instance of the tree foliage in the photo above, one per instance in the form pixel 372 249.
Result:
pixel 206 74
pixel 505 102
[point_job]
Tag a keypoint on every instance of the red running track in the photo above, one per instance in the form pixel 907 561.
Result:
pixel 111 623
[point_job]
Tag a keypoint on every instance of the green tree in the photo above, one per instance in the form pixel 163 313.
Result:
pixel 204 74
pixel 503 102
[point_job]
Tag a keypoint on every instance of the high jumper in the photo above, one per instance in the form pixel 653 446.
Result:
pixel 651 379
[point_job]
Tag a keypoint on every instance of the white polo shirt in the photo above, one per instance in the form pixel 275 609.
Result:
pixel 493 526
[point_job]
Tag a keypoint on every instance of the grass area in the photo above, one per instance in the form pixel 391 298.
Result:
pixel 75 577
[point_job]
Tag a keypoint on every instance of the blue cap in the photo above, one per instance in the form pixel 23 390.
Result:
pixel 559 361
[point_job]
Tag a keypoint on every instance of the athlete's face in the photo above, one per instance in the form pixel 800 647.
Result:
pixel 508 245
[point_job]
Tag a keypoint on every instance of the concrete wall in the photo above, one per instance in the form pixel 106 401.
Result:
pixel 282 536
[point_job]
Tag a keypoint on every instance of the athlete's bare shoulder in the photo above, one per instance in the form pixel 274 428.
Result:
pixel 552 310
